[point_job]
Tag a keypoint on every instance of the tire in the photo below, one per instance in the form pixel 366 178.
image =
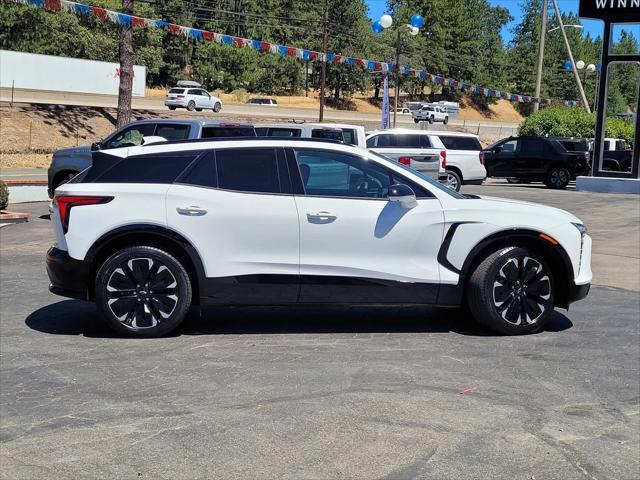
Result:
pixel 63 178
pixel 217 107
pixel 558 178
pixel 446 120
pixel 454 182
pixel 136 310
pixel 511 291
pixel 198 109
pixel 430 119
pixel 191 106
pixel 172 108
pixel 415 120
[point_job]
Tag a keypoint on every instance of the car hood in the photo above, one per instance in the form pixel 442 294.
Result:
pixel 71 151
pixel 506 205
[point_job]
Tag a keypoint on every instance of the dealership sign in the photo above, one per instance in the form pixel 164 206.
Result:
pixel 619 11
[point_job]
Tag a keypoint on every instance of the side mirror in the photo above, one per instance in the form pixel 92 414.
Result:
pixel 96 146
pixel 498 149
pixel 403 194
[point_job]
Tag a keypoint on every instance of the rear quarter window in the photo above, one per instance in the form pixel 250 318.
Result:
pixel 160 168
pixel 461 143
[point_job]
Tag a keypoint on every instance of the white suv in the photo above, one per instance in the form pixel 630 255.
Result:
pixel 464 165
pixel 192 99
pixel 148 231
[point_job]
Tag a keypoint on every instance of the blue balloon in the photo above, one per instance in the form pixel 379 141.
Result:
pixel 417 21
pixel 377 27
pixel 567 65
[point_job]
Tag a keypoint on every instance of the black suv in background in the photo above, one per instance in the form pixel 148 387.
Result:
pixel 535 159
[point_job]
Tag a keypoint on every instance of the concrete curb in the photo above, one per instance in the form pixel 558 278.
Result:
pixel 14 217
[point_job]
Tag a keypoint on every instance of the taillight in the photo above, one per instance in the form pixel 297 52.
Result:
pixel 481 157
pixel 405 161
pixel 66 202
pixel 443 155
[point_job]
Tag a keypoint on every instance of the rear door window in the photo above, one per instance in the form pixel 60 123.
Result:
pixel 203 173
pixel 326 133
pixel 253 170
pixel 461 143
pixel 222 132
pixel 172 131
pixel 532 146
pixel 349 136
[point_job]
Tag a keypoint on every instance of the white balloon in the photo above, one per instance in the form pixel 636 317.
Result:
pixel 591 68
pixel 414 31
pixel 579 64
pixel 386 21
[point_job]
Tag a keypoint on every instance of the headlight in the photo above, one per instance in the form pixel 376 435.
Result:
pixel 581 228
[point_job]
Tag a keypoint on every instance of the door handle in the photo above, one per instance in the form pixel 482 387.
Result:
pixel 191 211
pixel 321 216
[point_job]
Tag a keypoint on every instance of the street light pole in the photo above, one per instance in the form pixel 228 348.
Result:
pixel 397 72
pixel 573 63
pixel 543 31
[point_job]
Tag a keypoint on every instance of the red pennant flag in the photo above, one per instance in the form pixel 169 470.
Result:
pixel 359 63
pixel 266 46
pixel 292 52
pixel 173 28
pixel 313 55
pixel 52 4
pixel 207 36
pixel 101 13
pixel 237 42
pixel 337 59
pixel 137 22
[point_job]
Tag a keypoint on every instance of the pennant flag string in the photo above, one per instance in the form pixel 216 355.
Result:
pixel 198 35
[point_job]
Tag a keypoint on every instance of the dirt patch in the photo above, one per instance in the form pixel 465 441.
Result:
pixel 501 111
pixel 25 160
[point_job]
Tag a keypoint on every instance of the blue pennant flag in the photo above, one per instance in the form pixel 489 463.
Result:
pixel 124 19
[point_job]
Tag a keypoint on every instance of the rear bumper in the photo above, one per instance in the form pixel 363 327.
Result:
pixel 69 277
pixel 176 103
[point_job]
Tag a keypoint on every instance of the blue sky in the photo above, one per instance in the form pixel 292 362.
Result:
pixel 594 27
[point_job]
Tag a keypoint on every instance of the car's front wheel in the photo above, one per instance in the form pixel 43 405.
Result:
pixel 217 107
pixel 415 120
pixel 511 291
pixel 143 292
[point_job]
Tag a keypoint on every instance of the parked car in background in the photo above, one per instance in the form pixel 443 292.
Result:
pixel 68 162
pixel 431 114
pixel 414 148
pixel 197 99
pixel 403 111
pixel 264 102
pixel 348 134
pixel 535 159
pixel 463 166
pixel 617 155
pixel 295 221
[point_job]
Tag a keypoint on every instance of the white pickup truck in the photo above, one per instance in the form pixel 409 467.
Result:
pixel 430 113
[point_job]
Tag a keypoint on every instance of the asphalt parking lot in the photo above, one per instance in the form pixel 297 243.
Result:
pixel 388 393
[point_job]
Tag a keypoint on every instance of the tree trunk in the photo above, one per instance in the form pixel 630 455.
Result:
pixel 125 44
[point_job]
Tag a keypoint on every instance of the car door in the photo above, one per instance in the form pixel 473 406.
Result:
pixel 500 160
pixel 236 208
pixel 530 162
pixel 356 245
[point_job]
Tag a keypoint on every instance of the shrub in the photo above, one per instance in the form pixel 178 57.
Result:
pixel 573 122
pixel 4 195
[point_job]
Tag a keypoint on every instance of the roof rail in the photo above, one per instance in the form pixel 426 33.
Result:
pixel 246 139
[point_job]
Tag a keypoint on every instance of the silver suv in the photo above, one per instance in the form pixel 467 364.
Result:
pixel 68 162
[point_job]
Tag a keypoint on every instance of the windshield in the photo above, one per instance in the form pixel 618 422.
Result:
pixel 427 179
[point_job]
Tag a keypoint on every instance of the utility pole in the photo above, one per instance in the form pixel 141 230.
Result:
pixel 397 75
pixel 543 33
pixel 573 63
pixel 323 73
pixel 125 45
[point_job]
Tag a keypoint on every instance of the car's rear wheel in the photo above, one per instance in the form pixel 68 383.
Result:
pixel 558 177
pixel 142 292
pixel 454 182
pixel 191 106
pixel 217 107
pixel 511 291
pixel 446 120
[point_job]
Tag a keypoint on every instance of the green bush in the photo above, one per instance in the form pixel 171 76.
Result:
pixel 4 195
pixel 573 122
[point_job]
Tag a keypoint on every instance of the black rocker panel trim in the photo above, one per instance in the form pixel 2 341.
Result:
pixel 266 289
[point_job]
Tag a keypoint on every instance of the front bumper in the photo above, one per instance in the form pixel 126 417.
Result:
pixel 578 292
pixel 69 277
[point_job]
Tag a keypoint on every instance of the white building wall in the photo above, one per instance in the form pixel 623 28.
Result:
pixel 63 74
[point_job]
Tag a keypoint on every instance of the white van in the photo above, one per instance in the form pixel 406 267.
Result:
pixel 348 134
